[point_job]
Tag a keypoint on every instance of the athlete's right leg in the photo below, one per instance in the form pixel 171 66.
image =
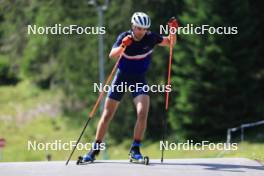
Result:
pixel 109 110
pixel 110 107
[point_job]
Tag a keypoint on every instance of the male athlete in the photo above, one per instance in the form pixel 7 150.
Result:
pixel 134 47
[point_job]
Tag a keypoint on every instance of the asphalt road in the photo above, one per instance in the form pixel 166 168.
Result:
pixel 170 167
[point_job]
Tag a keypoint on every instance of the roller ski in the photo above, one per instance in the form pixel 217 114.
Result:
pixel 135 156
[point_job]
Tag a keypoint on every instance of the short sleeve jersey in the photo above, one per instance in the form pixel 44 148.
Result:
pixel 137 56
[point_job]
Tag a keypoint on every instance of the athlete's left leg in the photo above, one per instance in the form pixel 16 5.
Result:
pixel 142 106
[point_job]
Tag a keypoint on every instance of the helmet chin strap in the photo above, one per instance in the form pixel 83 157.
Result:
pixel 133 35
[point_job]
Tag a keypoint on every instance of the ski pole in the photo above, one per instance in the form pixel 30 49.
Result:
pixel 167 95
pixel 169 71
pixel 167 102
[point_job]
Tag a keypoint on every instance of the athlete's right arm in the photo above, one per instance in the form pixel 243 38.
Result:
pixel 118 51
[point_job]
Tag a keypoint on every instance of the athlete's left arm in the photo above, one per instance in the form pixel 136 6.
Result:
pixel 166 40
pixel 173 23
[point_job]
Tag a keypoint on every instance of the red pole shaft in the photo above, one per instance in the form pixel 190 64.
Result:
pixel 169 72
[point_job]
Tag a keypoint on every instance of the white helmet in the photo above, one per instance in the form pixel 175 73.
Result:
pixel 140 19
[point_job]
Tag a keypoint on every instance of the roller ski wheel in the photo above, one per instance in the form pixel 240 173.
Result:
pixel 80 158
pixel 146 160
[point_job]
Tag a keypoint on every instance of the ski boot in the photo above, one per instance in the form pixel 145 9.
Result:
pixel 135 156
pixel 89 157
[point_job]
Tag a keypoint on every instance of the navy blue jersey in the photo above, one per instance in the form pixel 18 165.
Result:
pixel 137 56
